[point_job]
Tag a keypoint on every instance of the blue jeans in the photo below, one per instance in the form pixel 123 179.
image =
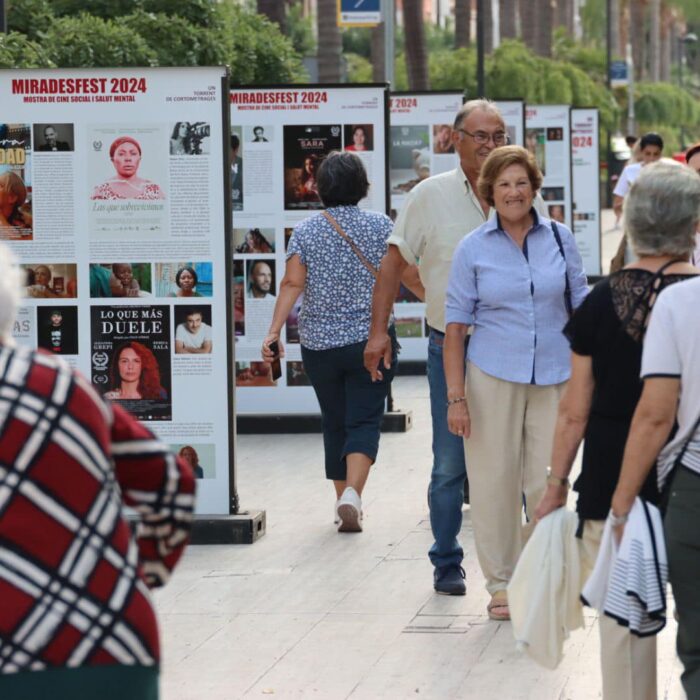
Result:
pixel 446 491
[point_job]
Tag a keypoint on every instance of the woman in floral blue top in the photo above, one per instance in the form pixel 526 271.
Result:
pixel 335 272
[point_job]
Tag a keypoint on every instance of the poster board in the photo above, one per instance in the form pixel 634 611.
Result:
pixel 585 135
pixel 124 171
pixel 548 138
pixel 282 133
pixel 421 130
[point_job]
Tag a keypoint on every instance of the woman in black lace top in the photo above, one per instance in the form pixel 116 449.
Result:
pixel 606 333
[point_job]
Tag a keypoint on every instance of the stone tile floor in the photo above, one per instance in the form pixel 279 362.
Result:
pixel 310 613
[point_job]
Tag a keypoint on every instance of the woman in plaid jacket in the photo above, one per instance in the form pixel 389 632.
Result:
pixel 76 620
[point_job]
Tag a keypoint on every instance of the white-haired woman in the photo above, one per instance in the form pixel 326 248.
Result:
pixel 76 620
pixel 606 332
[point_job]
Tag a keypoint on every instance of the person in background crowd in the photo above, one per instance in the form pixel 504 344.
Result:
pixel 651 148
pixel 438 213
pixel 692 158
pixel 671 374
pixel 606 335
pixel 514 280
pixel 334 272
pixel 76 618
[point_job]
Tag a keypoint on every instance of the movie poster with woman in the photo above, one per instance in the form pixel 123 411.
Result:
pixel 304 149
pixel 131 358
pixel 128 181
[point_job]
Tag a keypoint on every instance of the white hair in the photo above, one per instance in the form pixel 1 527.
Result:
pixel 10 276
pixel 662 210
pixel 480 105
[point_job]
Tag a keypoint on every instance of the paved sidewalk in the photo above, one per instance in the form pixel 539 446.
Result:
pixel 310 613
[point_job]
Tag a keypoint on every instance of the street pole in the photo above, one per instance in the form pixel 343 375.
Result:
pixel 480 82
pixel 608 15
pixel 631 125
pixel 3 17
pixel 388 20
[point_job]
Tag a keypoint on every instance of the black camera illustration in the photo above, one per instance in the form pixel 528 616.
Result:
pixel 196 133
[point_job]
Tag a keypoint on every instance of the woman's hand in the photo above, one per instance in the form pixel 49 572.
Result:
pixel 267 354
pixel 554 497
pixel 458 420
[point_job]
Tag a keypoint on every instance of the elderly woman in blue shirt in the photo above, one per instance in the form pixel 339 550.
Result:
pixel 514 281
pixel 336 273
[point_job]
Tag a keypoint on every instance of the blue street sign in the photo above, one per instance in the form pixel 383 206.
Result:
pixel 359 13
pixel 618 73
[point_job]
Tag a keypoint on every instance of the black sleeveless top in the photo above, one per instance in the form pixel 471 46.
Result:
pixel 609 327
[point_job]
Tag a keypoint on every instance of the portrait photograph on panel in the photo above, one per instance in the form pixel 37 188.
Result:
pixel 16 220
pixel 50 280
pixel 57 329
pixel 120 279
pixel 193 333
pixel 51 138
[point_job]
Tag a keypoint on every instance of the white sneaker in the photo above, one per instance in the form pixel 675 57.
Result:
pixel 336 517
pixel 350 511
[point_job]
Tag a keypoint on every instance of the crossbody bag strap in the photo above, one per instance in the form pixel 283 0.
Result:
pixel 355 249
pixel 567 288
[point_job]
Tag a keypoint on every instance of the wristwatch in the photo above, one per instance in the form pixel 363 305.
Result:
pixel 557 480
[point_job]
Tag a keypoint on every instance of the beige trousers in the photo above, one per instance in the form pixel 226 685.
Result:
pixel 628 662
pixel 507 453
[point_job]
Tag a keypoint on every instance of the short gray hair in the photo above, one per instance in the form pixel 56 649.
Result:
pixel 480 105
pixel 662 209
pixel 10 276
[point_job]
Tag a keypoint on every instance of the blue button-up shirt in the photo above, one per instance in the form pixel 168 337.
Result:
pixel 514 299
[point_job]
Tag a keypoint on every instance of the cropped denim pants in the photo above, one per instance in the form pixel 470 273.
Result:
pixel 352 405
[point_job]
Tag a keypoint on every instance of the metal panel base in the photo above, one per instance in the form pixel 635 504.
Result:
pixel 244 528
pixel 393 422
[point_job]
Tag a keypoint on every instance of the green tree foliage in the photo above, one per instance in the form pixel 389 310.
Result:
pixel 175 41
pixel 107 9
pixel 359 69
pixel 30 17
pixel 108 33
pixel 86 40
pixel 300 30
pixel 18 51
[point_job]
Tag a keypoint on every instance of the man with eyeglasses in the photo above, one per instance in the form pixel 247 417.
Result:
pixel 438 213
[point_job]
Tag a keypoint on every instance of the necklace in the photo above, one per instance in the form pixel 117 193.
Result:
pixel 126 182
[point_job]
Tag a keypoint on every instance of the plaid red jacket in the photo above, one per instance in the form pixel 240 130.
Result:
pixel 73 582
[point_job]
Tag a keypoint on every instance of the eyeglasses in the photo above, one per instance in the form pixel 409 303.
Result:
pixel 500 138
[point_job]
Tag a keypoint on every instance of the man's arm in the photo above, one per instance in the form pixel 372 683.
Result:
pixel 411 280
pixel 385 291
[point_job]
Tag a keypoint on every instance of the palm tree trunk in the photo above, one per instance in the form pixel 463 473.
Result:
pixel 377 54
pixel 543 29
pixel 528 22
pixel 654 40
pixel 508 10
pixel 463 23
pixel 416 53
pixel 330 46
pixel 665 44
pixel 488 27
pixel 274 10
pixel 565 16
pixel 637 35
